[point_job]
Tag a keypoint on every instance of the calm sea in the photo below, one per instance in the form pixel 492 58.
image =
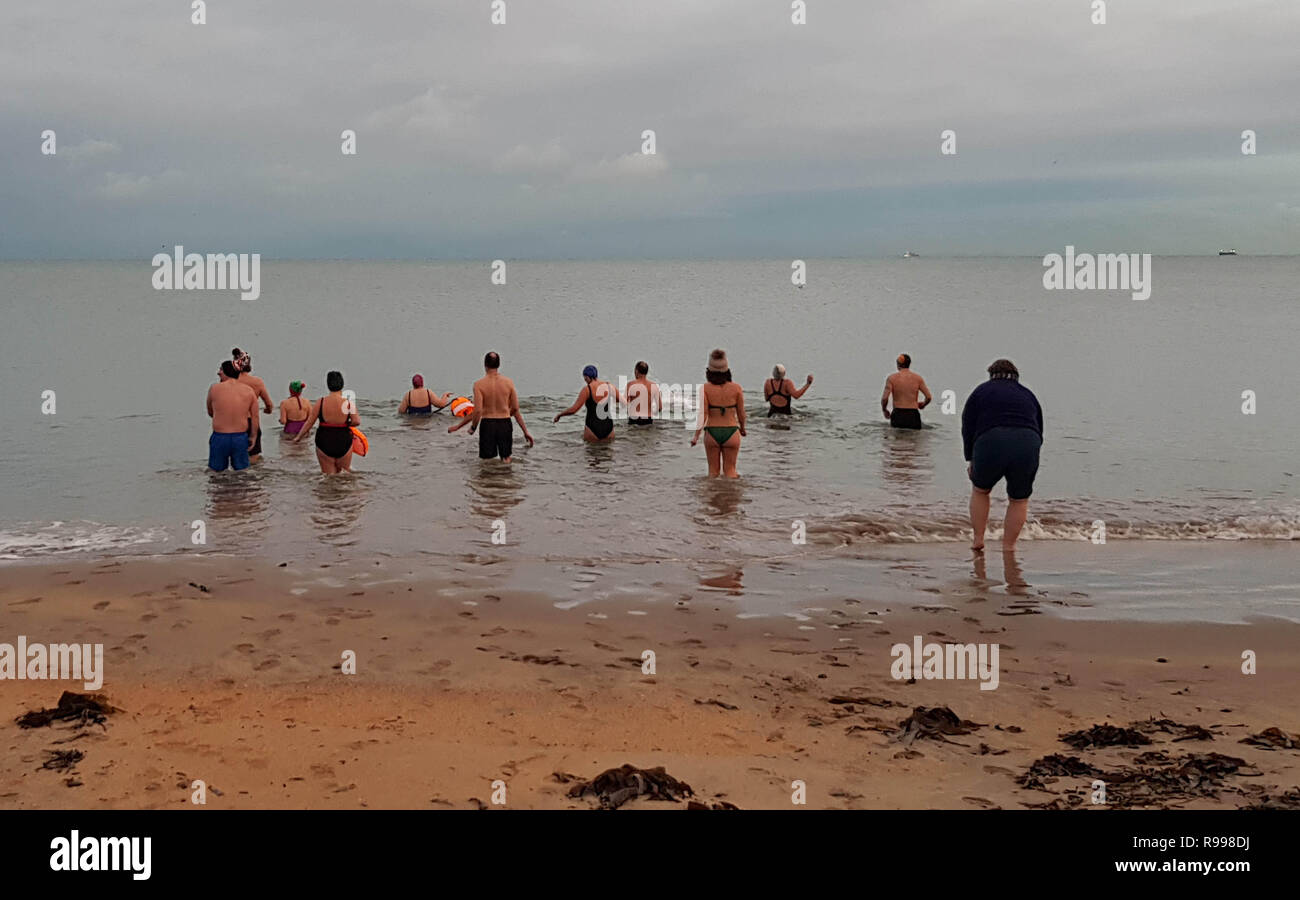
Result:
pixel 1143 404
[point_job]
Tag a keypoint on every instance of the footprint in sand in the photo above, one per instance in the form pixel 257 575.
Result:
pixel 245 648
pixel 266 664
pixel 102 604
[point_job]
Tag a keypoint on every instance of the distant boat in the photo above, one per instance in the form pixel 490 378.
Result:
pixel 1227 252
pixel 910 253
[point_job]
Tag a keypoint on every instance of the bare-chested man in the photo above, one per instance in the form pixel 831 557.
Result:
pixel 644 401
pixel 905 386
pixel 232 406
pixel 244 363
pixel 495 403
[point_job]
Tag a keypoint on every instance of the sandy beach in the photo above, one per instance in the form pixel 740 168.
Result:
pixel 231 672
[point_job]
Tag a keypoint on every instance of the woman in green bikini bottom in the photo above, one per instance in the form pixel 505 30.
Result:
pixel 722 417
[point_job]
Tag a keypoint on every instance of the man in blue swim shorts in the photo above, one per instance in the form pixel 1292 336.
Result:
pixel 233 408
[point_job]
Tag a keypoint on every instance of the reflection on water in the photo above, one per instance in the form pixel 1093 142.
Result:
pixel 905 458
pixel 339 501
pixel 1013 573
pixel 496 488
pixel 600 457
pixel 237 499
pixel 732 581
pixel 719 497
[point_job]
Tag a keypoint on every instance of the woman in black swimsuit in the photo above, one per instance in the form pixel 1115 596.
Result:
pixel 336 416
pixel 779 391
pixel 420 401
pixel 600 419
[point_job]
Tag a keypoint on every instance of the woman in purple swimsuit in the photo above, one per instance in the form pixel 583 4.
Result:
pixel 293 411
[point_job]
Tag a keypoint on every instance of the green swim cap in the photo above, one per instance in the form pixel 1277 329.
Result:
pixel 295 387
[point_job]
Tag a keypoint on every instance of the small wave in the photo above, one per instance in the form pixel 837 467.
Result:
pixel 29 540
pixel 888 528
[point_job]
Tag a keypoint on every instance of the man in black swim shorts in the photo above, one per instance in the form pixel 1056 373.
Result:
pixel 496 437
pixel 495 403
pixel 906 389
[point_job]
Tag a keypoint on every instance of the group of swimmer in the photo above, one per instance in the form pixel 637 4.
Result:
pixel 1002 422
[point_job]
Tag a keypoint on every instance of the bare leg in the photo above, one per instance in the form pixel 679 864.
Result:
pixel 326 463
pixel 344 464
pixel 1017 513
pixel 979 517
pixel 714 453
pixel 730 453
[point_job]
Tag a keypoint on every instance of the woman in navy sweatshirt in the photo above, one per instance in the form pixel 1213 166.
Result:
pixel 1001 431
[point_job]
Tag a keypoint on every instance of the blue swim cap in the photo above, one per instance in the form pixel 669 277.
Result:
pixel 589 372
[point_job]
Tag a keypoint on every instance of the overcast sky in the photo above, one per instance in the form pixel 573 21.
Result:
pixel 523 140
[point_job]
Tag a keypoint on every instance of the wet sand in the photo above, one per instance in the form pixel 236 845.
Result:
pixel 459 685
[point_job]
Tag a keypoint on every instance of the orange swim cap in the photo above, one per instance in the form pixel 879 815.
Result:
pixel 462 407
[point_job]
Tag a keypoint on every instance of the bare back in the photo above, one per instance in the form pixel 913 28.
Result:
pixel 250 380
pixel 494 397
pixel 332 411
pixel 906 387
pixel 645 402
pixel 232 404
pixel 294 409
pixel 723 403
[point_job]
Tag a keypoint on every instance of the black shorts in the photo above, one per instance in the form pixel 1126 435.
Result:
pixel 640 421
pixel 256 449
pixel 496 437
pixel 1010 453
pixel 905 418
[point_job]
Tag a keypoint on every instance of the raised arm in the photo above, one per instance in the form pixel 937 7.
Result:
pixel 796 393
pixel 577 404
